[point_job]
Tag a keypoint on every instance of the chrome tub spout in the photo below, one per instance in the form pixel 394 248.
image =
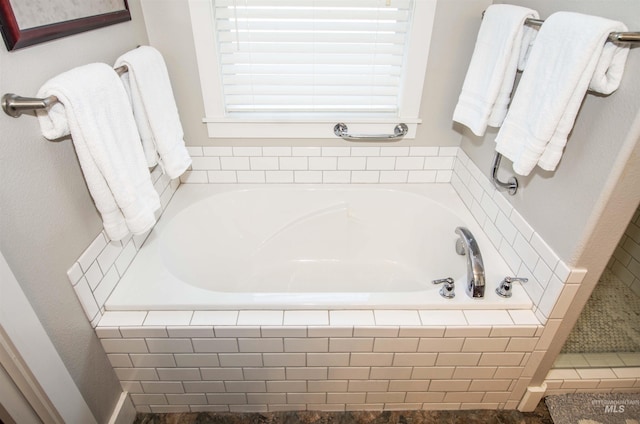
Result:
pixel 467 245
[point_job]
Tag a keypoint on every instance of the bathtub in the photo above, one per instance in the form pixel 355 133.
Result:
pixel 236 246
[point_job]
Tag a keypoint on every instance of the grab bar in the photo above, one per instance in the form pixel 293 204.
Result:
pixel 14 105
pixel 512 183
pixel 341 130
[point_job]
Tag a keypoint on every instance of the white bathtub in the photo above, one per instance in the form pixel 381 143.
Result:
pixel 309 247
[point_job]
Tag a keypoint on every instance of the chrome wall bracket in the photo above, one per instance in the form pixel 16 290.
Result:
pixel 512 183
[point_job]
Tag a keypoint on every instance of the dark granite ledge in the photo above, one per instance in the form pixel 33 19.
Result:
pixel 539 416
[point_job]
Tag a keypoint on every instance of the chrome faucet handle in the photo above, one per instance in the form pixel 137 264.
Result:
pixel 505 286
pixel 447 290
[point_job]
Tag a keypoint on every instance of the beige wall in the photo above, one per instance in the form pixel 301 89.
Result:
pixel 47 217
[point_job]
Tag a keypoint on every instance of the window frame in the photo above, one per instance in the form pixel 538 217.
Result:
pixel 302 126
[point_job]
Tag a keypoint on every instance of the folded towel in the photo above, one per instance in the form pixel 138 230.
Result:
pixel 571 55
pixel 155 110
pixel 93 107
pixel 501 49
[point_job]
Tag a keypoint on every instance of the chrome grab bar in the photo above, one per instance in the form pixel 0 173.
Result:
pixel 622 37
pixel 512 183
pixel 341 130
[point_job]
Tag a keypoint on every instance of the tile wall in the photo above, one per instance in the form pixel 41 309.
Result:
pixel 334 360
pixel 625 262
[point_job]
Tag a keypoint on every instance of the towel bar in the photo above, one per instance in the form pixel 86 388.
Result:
pixel 623 37
pixel 512 183
pixel 14 105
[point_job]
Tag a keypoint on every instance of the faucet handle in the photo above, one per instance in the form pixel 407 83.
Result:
pixel 447 290
pixel 505 286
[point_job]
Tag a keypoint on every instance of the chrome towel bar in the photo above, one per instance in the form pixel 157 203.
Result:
pixel 341 130
pixel 623 37
pixel 14 105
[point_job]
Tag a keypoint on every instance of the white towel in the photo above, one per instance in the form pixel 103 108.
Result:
pixel 93 107
pixel 155 110
pixel 571 55
pixel 501 49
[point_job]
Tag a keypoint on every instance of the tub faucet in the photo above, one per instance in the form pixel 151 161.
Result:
pixel 467 245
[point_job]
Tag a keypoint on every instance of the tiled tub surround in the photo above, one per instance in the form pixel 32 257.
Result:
pixel 463 365
pixel 177 361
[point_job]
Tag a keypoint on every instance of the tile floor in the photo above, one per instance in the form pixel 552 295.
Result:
pixel 539 416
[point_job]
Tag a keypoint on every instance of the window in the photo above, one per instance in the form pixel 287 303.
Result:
pixel 293 68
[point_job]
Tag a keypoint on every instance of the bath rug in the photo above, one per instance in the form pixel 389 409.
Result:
pixel 595 408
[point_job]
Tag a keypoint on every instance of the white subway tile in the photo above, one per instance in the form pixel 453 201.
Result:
pixel 338 344
pixel 352 163
pixel 487 317
pixel 438 344
pixel 336 151
pixel 562 271
pixel 327 359
pixel 124 345
pixel 306 345
pixel 260 317
pixel 122 318
pixel 74 273
pixel 240 359
pixel 306 373
pixel 444 176
pixel 376 331
pixel 119 360
pixel 501 359
pixel 365 177
pixel 169 345
pixel 351 318
pixel 307 177
pixel 214 318
pixel 336 177
pixel 268 399
pixel 368 385
pixel 125 258
pixel 185 331
pixel 392 177
pixel 410 162
pixel 148 360
pixel 417 176
pixel 323 163
pixel 381 163
pixel 448 151
pixel 94 275
pixel 262 373
pixel 196 360
pixel 306 318
pixel 222 176
pixel 281 177
pixel 260 345
pixel 485 344
pixel 365 151
pixel 546 253
pixel 217 151
pixel 131 374
pixel 205 163
pixel 85 296
pixel 234 163
pixel 286 386
pixel 394 151
pixel 490 207
pixel 359 359
pixel 226 398
pixel 264 163
pixel 276 151
pixel 542 273
pixel 510 257
pixel 221 374
pixel 438 162
pixel 442 318
pixel 203 386
pixel 523 317
pixel 306 397
pixel 106 286
pixel 247 151
pixel 397 317
pixel 215 345
pixel 108 332
pixel 283 331
pixel 92 252
pixel 168 318
pixel 423 151
pixel 349 373
pixel 293 163
pixel 187 399
pixel 395 345
pixel 550 296
pixel 250 177
pixel 327 386
pixel 389 373
pixel 521 224
pixel 306 151
pixel 136 332
pixel 506 228
pixel 237 331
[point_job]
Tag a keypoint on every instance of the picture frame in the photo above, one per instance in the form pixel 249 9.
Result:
pixel 25 23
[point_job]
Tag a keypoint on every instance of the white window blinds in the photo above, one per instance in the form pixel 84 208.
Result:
pixel 312 56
